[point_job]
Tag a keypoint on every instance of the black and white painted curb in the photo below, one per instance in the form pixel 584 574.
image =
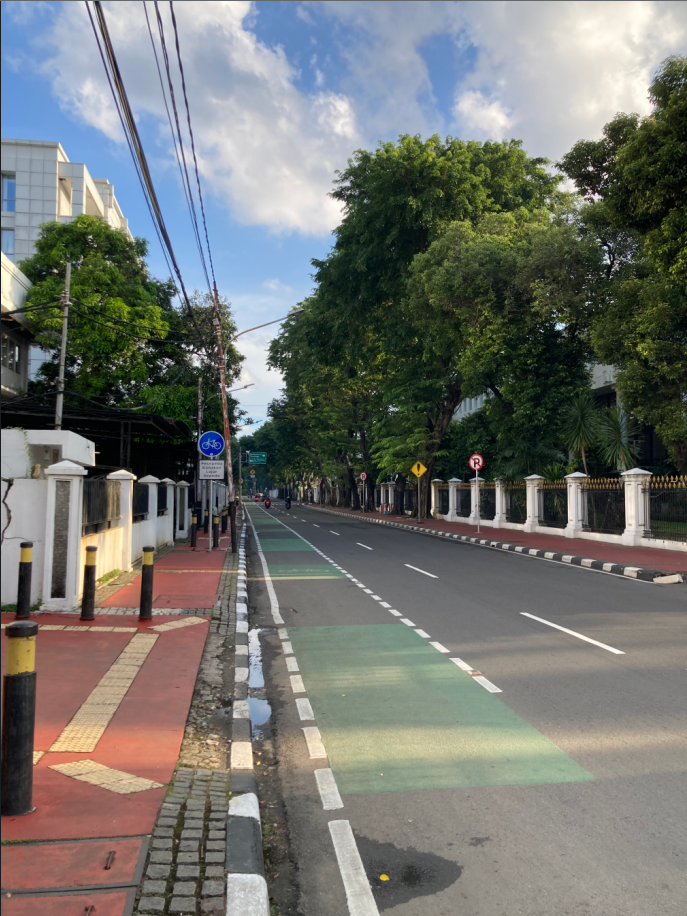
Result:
pixel 643 574
pixel 247 893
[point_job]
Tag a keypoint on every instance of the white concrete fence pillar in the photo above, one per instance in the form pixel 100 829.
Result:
pixel 63 524
pixel 126 506
pixel 436 500
pixel 577 504
pixel 149 535
pixel 636 514
pixel 500 496
pixel 474 499
pixel 532 494
pixel 182 508
pixel 166 528
pixel 453 499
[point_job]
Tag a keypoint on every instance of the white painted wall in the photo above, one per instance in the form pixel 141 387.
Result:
pixel 27 501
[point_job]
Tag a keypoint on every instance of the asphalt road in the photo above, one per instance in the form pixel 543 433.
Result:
pixel 563 793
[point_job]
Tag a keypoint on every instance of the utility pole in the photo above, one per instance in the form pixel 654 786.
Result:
pixel 225 417
pixel 199 483
pixel 59 405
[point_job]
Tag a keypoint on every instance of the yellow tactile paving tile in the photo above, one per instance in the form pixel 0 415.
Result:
pixel 37 756
pixel 105 777
pixel 175 624
pixel 86 728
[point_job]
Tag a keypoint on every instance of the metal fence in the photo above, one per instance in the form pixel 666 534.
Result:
pixel 443 500
pixel 553 503
pixel 140 501
pixel 410 500
pixel 463 500
pixel 101 504
pixel 161 498
pixel 516 502
pixel 666 508
pixel 604 499
pixel 487 500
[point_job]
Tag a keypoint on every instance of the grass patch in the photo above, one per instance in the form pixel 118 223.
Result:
pixel 111 575
pixel 12 608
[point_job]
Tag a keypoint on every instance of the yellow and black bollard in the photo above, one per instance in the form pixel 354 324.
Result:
pixel 24 581
pixel 18 719
pixel 225 516
pixel 206 523
pixel 194 528
pixel 88 599
pixel 146 609
pixel 215 531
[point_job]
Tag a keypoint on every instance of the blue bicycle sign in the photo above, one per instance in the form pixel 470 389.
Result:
pixel 211 444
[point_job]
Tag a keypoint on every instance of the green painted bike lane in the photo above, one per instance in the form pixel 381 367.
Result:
pixel 396 715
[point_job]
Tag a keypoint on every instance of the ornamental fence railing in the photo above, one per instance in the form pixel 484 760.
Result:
pixel 161 498
pixel 487 500
pixel 463 500
pixel 140 501
pixel 553 503
pixel 443 499
pixel 603 501
pixel 516 502
pixel 101 504
pixel 666 508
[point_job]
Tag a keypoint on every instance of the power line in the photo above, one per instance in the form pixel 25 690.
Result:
pixel 136 147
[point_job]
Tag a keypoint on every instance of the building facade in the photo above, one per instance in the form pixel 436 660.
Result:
pixel 40 185
pixel 16 341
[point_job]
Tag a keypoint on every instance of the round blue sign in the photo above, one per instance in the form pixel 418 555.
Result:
pixel 211 444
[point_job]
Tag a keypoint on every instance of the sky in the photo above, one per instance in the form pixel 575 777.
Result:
pixel 282 93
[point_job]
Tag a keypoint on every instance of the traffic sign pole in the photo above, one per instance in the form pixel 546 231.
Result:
pixel 477 462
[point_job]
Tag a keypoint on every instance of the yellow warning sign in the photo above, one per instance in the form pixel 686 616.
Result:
pixel 418 469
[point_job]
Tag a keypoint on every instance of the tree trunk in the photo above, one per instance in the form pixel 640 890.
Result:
pixel 355 498
pixel 399 495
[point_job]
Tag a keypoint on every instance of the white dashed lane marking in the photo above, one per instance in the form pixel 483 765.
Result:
pixel 364 545
pixel 594 642
pixel 423 571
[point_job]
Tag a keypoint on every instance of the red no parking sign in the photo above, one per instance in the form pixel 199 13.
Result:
pixel 476 462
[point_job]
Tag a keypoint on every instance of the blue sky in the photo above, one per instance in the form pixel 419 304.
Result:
pixel 282 93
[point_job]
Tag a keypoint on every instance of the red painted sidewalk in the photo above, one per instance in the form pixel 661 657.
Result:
pixel 65 843
pixel 647 557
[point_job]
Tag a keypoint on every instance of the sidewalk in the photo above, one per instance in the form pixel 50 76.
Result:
pixel 667 561
pixel 113 699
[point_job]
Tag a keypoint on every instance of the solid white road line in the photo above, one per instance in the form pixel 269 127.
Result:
pixel 305 709
pixel 364 545
pixel 440 648
pixel 329 792
pixel 492 688
pixel 408 623
pixel 461 664
pixel 274 604
pixel 334 532
pixel 358 892
pixel 313 739
pixel 424 572
pixel 594 642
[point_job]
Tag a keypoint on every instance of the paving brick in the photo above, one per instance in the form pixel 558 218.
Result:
pixel 184 888
pixel 212 906
pixel 188 871
pixel 187 858
pixel 151 905
pixel 218 815
pixel 185 905
pixel 161 856
pixel 214 871
pixel 216 844
pixel 166 821
pixel 213 888
pixel 191 834
pixel 215 835
pixel 163 832
pixel 189 846
pixel 193 823
pixel 158 871
pixel 154 887
pixel 214 857
pixel 162 844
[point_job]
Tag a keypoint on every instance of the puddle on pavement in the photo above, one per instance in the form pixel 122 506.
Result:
pixel 260 709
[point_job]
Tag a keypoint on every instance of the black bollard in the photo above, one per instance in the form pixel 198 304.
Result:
pixel 24 582
pixel 224 520
pixel 194 528
pixel 88 598
pixel 146 609
pixel 18 719
pixel 215 531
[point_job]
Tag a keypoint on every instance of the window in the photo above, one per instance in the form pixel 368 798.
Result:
pixel 10 353
pixel 8 243
pixel 9 194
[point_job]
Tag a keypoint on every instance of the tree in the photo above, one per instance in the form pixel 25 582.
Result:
pixel 128 346
pixel 580 430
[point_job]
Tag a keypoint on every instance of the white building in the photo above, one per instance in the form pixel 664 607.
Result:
pixel 40 185
pixel 16 341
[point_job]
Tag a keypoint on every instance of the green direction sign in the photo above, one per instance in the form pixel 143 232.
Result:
pixel 257 458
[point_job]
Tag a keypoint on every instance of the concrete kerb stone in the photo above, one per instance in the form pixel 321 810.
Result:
pixel 246 891
pixel 642 574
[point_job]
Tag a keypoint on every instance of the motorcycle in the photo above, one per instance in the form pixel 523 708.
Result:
pixel 287 503
pixel 267 503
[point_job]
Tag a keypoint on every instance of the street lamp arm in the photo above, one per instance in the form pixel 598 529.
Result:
pixel 276 321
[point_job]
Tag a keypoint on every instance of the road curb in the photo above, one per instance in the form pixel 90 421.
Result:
pixel 247 893
pixel 641 573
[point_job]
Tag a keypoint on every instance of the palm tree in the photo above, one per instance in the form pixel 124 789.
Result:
pixel 618 435
pixel 581 425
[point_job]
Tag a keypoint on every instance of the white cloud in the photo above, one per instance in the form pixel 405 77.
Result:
pixel 488 119
pixel 267 148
